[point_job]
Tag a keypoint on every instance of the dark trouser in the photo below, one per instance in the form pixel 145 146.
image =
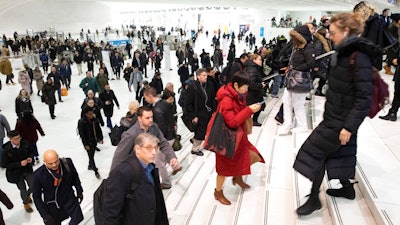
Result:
pixel 59 93
pixel 117 71
pixel 317 182
pixel 90 153
pixel 9 79
pixel 280 112
pixel 68 82
pixel 70 208
pixel 45 67
pixel 257 114
pixel 396 98
pixel 51 110
pixel 34 149
pixel 22 186
pixel 109 124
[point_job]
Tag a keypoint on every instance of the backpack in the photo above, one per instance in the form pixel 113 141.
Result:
pixel 98 195
pixel 116 134
pixel 380 92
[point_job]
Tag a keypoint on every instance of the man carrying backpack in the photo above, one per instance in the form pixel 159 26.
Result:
pixel 133 195
pixel 54 181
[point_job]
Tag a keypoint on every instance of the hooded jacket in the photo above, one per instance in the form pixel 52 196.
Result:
pixel 303 56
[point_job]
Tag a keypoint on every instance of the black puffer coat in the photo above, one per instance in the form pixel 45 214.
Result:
pixel 348 103
pixel 373 31
pixel 303 55
pixel 255 72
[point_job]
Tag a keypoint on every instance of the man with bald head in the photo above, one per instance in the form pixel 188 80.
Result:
pixel 52 190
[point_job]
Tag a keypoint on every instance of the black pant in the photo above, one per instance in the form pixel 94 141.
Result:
pixel 90 153
pixel 9 79
pixel 51 110
pixel 396 98
pixel 22 186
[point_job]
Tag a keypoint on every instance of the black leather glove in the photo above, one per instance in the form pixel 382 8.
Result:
pixel 80 198
pixel 49 221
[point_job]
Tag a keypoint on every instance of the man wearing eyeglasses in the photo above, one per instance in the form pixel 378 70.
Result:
pixel 146 205
pixel 17 157
pixel 144 125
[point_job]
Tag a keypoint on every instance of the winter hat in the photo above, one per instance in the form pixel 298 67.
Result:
pixel 304 31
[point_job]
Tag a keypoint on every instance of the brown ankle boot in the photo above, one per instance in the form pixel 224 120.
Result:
pixel 388 70
pixel 28 208
pixel 219 195
pixel 239 181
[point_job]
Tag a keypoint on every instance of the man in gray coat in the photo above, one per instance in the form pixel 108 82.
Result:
pixel 145 125
pixel 4 127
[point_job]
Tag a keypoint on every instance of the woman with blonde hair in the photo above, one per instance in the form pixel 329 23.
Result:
pixel 373 28
pixel 23 103
pixel 332 146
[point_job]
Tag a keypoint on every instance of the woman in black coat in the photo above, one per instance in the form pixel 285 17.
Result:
pixel 23 103
pixel 373 28
pixel 253 67
pixel 48 94
pixel 333 144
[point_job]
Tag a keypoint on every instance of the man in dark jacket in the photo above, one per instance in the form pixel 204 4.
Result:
pixel 108 98
pixel 147 206
pixel 199 105
pixel 17 158
pixel 90 132
pixel 57 81
pixel 54 180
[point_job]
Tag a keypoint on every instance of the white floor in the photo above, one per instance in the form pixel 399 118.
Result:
pixel 276 190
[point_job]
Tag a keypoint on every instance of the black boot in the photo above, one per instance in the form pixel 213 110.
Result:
pixel 347 191
pixel 391 116
pixel 312 204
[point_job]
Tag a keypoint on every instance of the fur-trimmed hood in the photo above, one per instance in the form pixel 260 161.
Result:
pixel 325 44
pixel 300 36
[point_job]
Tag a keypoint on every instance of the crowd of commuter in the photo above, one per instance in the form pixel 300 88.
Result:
pixel 234 86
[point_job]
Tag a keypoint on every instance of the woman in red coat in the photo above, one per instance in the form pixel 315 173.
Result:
pixel 232 105
pixel 28 126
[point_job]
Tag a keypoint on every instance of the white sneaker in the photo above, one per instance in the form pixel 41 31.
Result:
pixel 299 130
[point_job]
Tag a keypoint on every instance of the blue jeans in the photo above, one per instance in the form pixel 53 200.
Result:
pixel 277 84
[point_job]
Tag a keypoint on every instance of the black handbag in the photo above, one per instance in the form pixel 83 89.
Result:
pixel 220 138
pixel 298 81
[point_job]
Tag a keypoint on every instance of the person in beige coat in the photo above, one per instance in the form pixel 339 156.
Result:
pixel 6 69
pixel 38 77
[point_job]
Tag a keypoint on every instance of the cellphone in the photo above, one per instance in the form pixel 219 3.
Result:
pixel 262 102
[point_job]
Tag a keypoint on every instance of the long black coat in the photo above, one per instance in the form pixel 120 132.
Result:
pixel 348 102
pixel 201 105
pixel 373 31
pixel 147 207
pixel 255 91
pixel 49 91
pixel 90 133
pixel 108 97
pixel 164 117
pixel 44 191
pixel 11 160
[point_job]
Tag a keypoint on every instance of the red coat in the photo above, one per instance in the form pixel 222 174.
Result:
pixel 235 113
pixel 28 130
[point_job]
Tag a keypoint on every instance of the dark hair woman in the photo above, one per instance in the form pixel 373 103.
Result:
pixel 232 105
